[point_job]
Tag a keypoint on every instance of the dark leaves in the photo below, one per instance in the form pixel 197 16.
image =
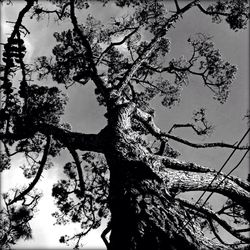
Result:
pixel 4 162
pixel 236 13
pixel 170 92
pixel 216 73
pixel 88 208
pixel 44 105
pixel 203 127
pixel 15 219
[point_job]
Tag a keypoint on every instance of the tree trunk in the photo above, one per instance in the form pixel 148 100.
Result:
pixel 143 214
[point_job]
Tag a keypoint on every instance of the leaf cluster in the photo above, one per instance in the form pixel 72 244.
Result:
pixel 14 222
pixel 86 208
pixel 237 13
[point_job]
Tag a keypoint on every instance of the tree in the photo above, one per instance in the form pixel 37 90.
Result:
pixel 120 175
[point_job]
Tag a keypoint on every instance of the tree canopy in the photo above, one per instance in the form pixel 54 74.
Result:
pixel 129 173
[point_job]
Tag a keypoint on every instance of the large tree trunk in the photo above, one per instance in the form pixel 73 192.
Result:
pixel 144 214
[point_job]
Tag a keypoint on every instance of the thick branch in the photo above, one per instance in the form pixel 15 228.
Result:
pixel 78 167
pixel 81 141
pixel 137 63
pixel 183 181
pixel 85 142
pixel 93 70
pixel 177 6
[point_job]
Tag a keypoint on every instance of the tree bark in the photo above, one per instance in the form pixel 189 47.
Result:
pixel 144 211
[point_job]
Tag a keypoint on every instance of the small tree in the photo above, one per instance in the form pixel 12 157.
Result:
pixel 120 174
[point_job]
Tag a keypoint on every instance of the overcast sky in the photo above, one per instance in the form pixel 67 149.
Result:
pixel 85 115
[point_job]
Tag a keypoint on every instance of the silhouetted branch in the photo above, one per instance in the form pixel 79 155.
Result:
pixel 116 44
pixel 151 46
pixel 89 54
pixel 187 125
pixel 210 214
pixel 59 14
pixel 86 142
pixel 38 174
pixel 104 233
pixel 148 122
pixel 78 167
pixel 215 232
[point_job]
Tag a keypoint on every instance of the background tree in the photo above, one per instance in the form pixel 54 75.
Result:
pixel 121 175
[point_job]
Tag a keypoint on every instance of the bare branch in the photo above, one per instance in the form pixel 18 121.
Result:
pixel 21 26
pixel 243 230
pixel 137 63
pixel 215 232
pixel 116 44
pixel 177 6
pixel 187 125
pixel 148 122
pixel 210 214
pixel 221 211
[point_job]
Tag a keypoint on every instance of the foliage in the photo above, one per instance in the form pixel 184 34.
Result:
pixel 15 218
pixel 126 61
pixel 88 208
pixel 239 13
pixel 4 162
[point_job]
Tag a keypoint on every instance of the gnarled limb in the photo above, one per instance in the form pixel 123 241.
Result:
pixel 183 181
pixel 81 141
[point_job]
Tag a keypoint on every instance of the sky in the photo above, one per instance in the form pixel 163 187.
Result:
pixel 84 114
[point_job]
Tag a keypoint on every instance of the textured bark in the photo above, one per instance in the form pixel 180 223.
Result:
pixel 145 214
